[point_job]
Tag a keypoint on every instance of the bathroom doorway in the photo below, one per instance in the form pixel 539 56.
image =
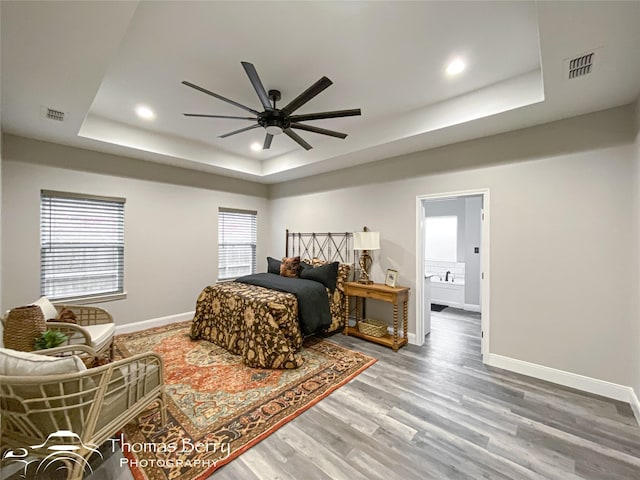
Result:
pixel 452 254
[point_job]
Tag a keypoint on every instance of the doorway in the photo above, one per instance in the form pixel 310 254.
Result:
pixel 465 245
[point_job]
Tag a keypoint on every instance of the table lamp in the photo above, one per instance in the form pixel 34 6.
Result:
pixel 365 241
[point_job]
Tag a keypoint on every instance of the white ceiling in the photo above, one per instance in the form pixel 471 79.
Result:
pixel 97 60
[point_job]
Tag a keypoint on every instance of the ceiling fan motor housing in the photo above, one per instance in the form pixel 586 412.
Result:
pixel 274 118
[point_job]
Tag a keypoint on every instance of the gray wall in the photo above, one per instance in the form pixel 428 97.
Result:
pixel 170 230
pixel 562 198
pixel 637 247
pixel 561 205
pixel 1 327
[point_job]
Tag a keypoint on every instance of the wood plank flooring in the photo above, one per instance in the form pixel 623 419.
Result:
pixel 436 412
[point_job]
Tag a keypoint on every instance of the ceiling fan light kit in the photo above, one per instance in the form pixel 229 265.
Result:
pixel 278 120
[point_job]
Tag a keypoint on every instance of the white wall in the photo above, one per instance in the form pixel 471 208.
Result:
pixel 170 230
pixel 473 237
pixel 561 206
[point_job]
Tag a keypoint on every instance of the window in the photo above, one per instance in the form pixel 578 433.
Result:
pixel 441 239
pixel 236 243
pixel 81 245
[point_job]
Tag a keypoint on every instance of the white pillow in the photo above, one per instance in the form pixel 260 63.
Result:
pixel 14 364
pixel 48 310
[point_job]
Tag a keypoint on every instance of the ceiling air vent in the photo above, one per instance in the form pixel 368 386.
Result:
pixel 52 114
pixel 580 66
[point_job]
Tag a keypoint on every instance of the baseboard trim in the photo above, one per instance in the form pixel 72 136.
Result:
pixel 153 322
pixel 568 379
pixel 411 337
pixel 635 405
pixel 470 307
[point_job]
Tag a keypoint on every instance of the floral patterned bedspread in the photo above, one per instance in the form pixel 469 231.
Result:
pixel 257 323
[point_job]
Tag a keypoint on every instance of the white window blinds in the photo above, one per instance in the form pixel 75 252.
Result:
pixel 81 245
pixel 236 243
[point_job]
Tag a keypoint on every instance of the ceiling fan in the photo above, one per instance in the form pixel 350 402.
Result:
pixel 279 120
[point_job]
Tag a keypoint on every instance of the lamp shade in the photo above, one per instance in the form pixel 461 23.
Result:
pixel 366 240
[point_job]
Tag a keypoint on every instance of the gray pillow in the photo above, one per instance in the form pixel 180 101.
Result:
pixel 273 265
pixel 325 274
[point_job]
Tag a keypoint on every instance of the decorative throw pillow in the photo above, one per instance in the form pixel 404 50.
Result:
pixel 17 364
pixel 345 273
pixel 318 262
pixel 48 310
pixel 66 316
pixel 290 267
pixel 273 265
pixel 325 274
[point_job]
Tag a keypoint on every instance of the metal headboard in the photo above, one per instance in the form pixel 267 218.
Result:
pixel 330 247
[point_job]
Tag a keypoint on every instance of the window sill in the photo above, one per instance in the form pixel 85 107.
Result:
pixel 91 299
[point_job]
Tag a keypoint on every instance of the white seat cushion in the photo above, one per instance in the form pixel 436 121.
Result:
pixel 17 364
pixel 101 334
pixel 125 388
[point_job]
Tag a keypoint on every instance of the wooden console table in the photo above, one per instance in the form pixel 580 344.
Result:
pixel 378 291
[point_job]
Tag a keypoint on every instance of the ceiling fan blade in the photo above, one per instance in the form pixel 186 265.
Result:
pixel 294 136
pixel 257 85
pixel 319 116
pixel 218 116
pixel 219 97
pixel 307 95
pixel 323 131
pixel 267 141
pixel 239 131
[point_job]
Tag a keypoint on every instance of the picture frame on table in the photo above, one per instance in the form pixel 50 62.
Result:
pixel 391 278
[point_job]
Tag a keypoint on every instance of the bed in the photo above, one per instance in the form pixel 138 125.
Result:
pixel 265 317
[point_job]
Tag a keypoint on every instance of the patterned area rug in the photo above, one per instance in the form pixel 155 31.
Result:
pixel 217 406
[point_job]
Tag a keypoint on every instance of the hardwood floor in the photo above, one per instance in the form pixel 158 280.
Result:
pixel 436 412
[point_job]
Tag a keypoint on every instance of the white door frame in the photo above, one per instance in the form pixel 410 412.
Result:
pixel 484 264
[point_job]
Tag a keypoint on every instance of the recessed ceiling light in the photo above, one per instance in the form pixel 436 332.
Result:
pixel 455 67
pixel 145 112
pixel 256 147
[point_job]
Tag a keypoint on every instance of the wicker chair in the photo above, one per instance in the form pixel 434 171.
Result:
pixel 94 327
pixel 80 410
